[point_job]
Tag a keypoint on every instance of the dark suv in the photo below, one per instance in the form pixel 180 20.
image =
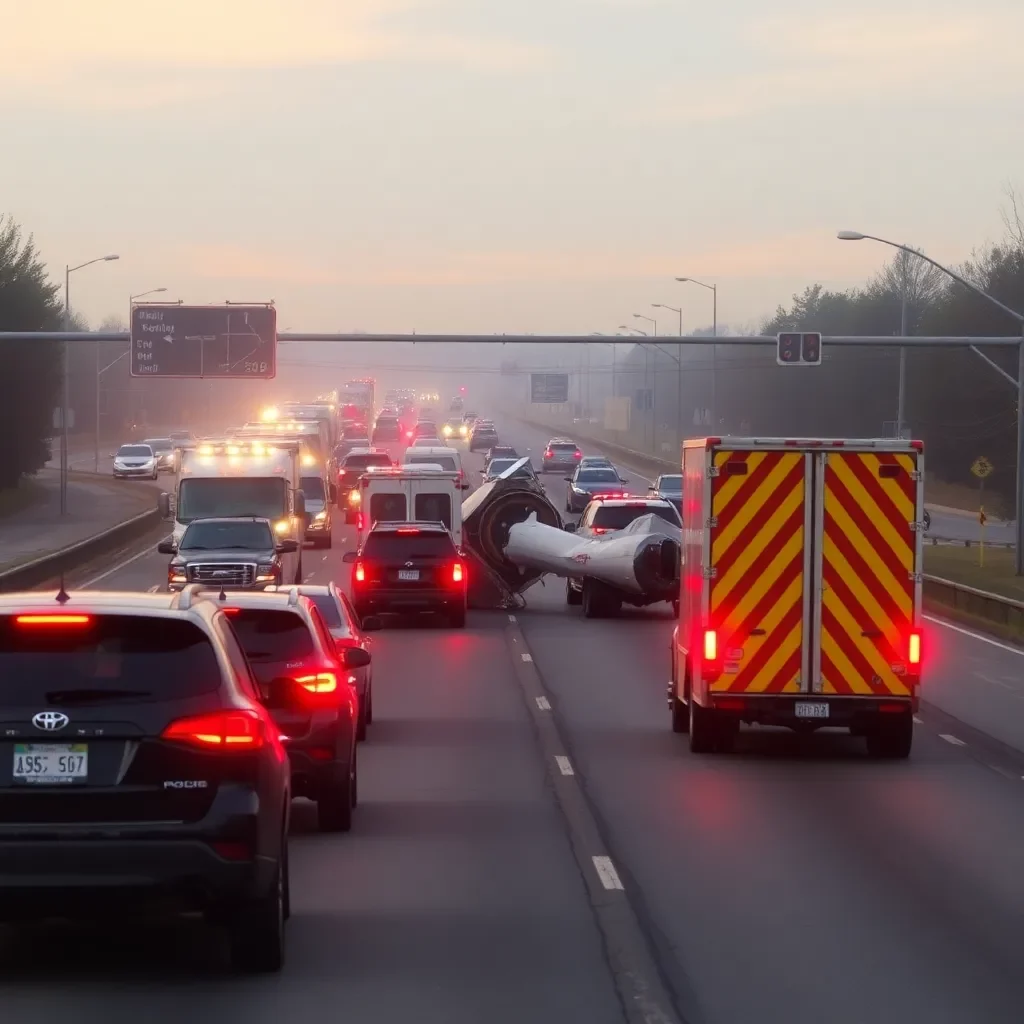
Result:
pixel 139 767
pixel 226 554
pixel 409 567
pixel 305 680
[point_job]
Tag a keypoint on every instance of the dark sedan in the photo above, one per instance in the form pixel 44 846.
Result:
pixel 585 484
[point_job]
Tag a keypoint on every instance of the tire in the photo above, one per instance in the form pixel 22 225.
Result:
pixel 891 739
pixel 703 729
pixel 361 724
pixel 572 597
pixel 156 475
pixel 256 927
pixel 675 609
pixel 329 541
pixel 335 802
pixel 457 618
pixel 298 574
pixel 591 601
pixel 680 716
pixel 369 704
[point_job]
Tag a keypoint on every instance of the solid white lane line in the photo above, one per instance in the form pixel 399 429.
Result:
pixel 526 657
pixel 564 765
pixel 117 568
pixel 153 589
pixel 977 636
pixel 607 873
pixel 543 703
pixel 949 738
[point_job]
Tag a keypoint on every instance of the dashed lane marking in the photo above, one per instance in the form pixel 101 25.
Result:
pixel 526 657
pixel 564 764
pixel 118 567
pixel 976 636
pixel 607 873
pixel 153 589
pixel 950 738
pixel 543 703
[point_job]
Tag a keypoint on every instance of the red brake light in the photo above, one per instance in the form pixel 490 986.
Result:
pixel 322 682
pixel 914 648
pixel 407 529
pixel 236 729
pixel 457 574
pixel 710 645
pixel 360 572
pixel 577 454
pixel 599 529
pixel 53 620
pixel 548 453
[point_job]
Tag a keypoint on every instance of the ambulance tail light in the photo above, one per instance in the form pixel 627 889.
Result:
pixel 710 645
pixel 914 649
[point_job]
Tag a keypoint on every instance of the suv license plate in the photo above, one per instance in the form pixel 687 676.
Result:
pixel 411 575
pixel 50 764
pixel 809 709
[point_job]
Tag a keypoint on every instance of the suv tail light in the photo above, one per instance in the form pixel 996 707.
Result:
pixel 234 729
pixel 914 648
pixel 548 453
pixel 577 454
pixel 359 573
pixel 322 682
pixel 458 574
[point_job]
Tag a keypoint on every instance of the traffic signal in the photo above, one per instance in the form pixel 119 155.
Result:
pixel 798 349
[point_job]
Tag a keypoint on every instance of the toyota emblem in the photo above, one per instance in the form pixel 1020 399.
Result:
pixel 50 721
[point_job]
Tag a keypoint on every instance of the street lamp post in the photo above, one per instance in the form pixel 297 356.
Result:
pixel 647 379
pixel 66 396
pixel 857 236
pixel 679 372
pixel 713 288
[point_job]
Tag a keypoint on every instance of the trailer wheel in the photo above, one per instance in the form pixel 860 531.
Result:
pixel 593 606
pixel 572 596
pixel 703 729
pixel 891 738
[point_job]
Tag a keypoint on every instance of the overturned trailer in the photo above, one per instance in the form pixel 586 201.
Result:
pixel 637 565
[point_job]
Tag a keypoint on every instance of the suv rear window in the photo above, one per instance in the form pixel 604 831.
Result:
pixel 444 461
pixel 560 447
pixel 388 507
pixel 434 508
pixel 362 461
pixel 618 517
pixel 390 546
pixel 155 658
pixel 272 635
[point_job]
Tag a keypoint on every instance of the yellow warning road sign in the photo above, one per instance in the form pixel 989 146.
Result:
pixel 982 467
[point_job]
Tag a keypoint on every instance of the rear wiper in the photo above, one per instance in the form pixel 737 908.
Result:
pixel 94 696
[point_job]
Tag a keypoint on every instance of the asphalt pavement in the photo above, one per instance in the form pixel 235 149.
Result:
pixel 792 881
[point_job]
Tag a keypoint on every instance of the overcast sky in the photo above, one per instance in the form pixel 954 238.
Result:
pixel 536 165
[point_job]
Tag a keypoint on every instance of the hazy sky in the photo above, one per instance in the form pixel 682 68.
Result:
pixel 532 165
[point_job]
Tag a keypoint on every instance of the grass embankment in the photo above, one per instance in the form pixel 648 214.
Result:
pixel 938 492
pixel 959 564
pixel 17 499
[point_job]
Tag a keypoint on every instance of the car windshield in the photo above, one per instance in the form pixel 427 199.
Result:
pixel 163 444
pixel 597 476
pixel 272 636
pixel 330 611
pixel 618 517
pixel 358 462
pixel 498 466
pixel 223 497
pixel 391 546
pixel 109 658
pixel 561 448
pixel 134 451
pixel 313 487
pixel 227 535
pixel 671 484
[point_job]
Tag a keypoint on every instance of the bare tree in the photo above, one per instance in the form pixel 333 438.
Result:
pixel 1011 215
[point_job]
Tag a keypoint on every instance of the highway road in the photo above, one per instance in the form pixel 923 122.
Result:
pixel 793 881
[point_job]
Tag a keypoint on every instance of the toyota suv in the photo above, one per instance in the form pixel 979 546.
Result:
pixel 139 767
pixel 409 567
pixel 230 554
pixel 305 678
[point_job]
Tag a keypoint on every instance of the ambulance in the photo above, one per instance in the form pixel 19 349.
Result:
pixel 801 587
pixel 230 477
pixel 409 494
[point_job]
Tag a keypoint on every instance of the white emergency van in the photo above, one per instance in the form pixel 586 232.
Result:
pixel 407 494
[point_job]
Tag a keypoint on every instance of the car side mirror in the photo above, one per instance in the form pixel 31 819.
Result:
pixel 113 456
pixel 286 547
pixel 353 657
pixel 567 479
pixel 624 479
pixel 166 547
pixel 163 504
pixel 569 527
pixel 465 486
pixel 350 556
pixel 333 493
pixel 371 624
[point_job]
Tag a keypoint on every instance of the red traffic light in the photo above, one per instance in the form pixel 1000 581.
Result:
pixel 803 349
pixel 810 348
pixel 462 391
pixel 788 349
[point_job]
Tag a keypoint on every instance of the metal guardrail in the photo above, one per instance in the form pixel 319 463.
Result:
pixel 50 566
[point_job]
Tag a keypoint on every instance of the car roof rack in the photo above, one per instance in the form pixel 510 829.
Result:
pixel 187 596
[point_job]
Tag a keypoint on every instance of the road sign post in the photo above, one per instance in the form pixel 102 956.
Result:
pixel 169 340
pixel 982 469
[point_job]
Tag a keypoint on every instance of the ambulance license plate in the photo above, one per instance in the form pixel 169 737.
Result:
pixel 811 709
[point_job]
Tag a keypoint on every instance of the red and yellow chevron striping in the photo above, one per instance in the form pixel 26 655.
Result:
pixel 868 552
pixel 757 550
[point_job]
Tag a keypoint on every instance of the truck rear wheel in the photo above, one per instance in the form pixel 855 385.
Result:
pixel 572 596
pixel 593 606
pixel 702 728
pixel 891 738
